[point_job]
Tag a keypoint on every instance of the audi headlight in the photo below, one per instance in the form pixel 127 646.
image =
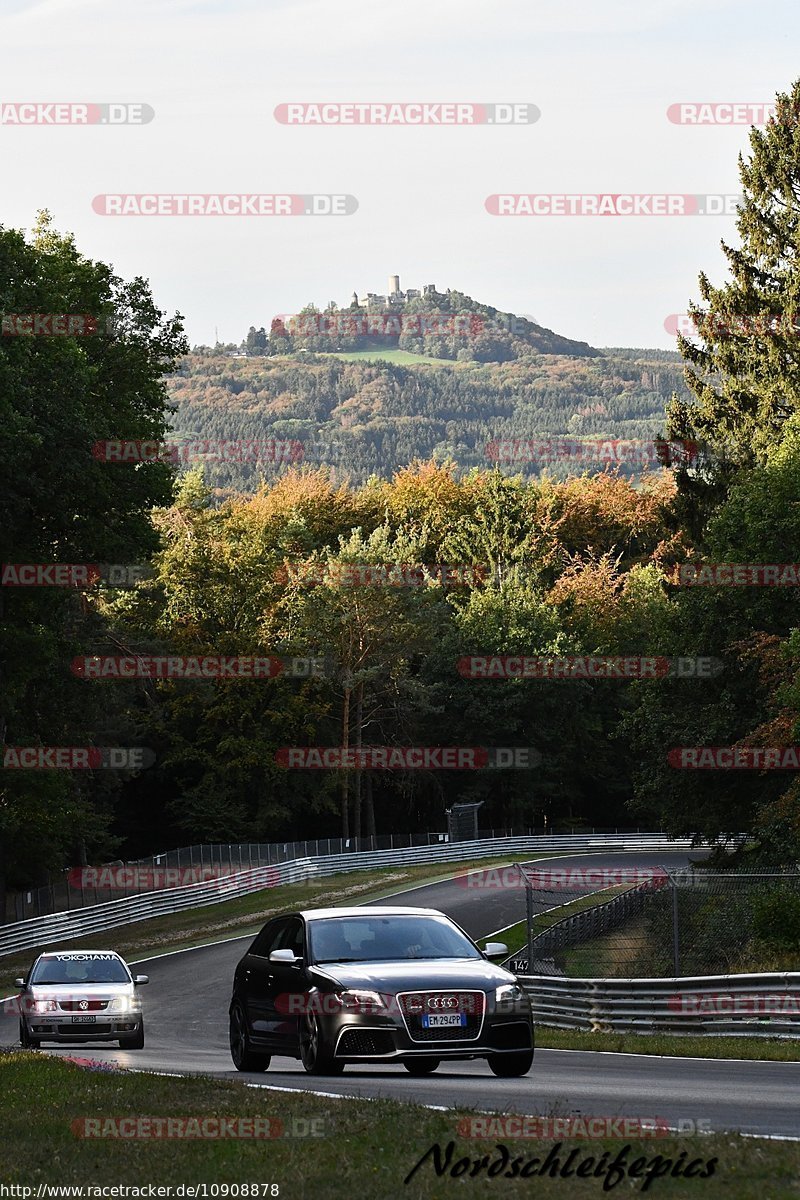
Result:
pixel 509 993
pixel 361 1001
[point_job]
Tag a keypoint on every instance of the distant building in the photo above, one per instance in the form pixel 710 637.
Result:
pixel 396 297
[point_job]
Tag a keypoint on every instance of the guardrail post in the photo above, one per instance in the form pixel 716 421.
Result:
pixel 675 936
pixel 529 916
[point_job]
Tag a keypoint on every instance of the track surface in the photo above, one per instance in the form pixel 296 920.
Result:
pixel 186 1015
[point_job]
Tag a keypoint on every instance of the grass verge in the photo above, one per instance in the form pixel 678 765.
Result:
pixel 690 1046
pixel 366 1148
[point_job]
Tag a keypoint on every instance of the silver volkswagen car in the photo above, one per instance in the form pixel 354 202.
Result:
pixel 376 985
pixel 80 996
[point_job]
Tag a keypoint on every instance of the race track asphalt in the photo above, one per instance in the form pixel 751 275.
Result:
pixel 187 1000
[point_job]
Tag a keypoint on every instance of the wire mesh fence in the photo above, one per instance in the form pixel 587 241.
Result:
pixel 659 922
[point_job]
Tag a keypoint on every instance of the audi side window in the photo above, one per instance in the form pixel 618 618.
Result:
pixel 269 939
pixel 292 938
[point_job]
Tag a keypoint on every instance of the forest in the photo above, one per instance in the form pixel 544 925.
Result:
pixel 372 417
pixel 393 570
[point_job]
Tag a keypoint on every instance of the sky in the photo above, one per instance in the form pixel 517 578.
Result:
pixel 602 76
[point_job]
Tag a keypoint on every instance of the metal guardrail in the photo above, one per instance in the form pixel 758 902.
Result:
pixel 63 926
pixel 717 1005
pixel 76 888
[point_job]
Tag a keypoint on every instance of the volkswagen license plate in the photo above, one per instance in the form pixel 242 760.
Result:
pixel 83 1020
pixel 443 1020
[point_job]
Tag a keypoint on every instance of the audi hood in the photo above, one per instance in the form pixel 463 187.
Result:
pixel 424 975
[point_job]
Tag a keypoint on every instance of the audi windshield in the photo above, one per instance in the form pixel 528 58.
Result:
pixel 387 939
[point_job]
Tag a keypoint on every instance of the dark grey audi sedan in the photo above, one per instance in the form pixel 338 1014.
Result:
pixel 332 986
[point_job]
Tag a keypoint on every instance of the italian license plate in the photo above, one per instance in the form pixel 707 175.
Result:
pixel 84 1020
pixel 443 1020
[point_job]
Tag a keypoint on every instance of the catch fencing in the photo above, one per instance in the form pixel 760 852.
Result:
pixel 694 920
pixel 582 926
pixel 59 927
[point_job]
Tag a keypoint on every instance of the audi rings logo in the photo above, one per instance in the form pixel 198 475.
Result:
pixel 440 1002
pixel 83 1004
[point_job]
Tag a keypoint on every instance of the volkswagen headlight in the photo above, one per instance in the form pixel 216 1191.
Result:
pixel 125 1004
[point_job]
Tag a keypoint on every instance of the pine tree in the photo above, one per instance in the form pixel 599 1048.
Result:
pixel 744 368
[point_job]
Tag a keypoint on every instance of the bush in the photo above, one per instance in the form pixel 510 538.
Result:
pixel 776 918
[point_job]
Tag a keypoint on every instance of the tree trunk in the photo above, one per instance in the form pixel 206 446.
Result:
pixel 368 807
pixel 345 805
pixel 358 775
pixel 3 886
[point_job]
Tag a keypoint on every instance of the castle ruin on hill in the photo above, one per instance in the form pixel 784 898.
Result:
pixel 394 297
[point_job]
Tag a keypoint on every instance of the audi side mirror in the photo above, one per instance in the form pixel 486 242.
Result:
pixel 20 983
pixel 284 956
pixel 140 979
pixel 495 949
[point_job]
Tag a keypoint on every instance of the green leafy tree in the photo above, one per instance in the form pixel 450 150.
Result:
pixel 59 502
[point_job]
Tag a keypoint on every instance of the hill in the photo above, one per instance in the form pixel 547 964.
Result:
pixel 439 325
pixel 368 417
